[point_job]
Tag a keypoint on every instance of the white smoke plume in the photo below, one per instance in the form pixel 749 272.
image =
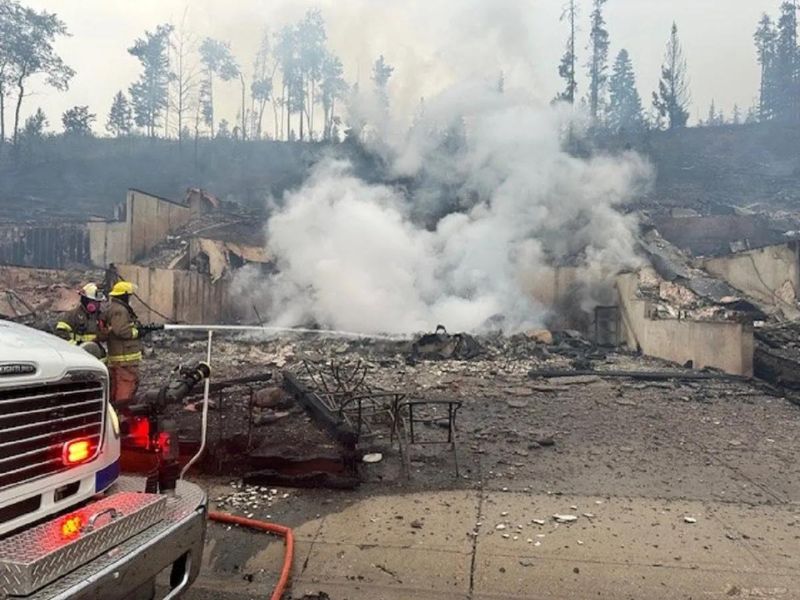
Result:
pixel 493 202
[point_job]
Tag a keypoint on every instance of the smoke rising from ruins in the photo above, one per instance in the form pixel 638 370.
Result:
pixel 493 201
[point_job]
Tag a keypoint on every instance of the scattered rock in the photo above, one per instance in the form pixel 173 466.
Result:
pixel 565 518
pixel 517 403
pixel 416 524
pixel 690 520
pixel 372 458
pixel 271 397
pixel 526 562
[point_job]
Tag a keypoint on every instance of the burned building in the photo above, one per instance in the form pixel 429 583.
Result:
pixel 180 254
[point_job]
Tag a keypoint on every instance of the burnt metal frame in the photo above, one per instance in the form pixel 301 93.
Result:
pixel 350 401
pixel 408 427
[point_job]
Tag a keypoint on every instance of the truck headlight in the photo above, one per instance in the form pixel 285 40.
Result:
pixel 112 414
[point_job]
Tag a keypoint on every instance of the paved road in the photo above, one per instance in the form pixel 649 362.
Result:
pixel 631 462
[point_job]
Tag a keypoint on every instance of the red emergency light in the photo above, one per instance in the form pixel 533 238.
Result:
pixel 71 527
pixel 76 452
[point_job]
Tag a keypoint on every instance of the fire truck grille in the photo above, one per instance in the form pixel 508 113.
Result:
pixel 37 422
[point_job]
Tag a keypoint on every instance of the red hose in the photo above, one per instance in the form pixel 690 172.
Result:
pixel 285 532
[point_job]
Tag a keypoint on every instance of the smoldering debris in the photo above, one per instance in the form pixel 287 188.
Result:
pixel 509 204
pixel 441 345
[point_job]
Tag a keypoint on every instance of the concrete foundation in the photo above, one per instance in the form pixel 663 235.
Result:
pixel 724 345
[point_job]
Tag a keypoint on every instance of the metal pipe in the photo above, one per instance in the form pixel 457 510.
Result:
pixel 204 426
pixel 271 329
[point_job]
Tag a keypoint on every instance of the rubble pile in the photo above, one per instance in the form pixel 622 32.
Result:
pixel 259 432
pixel 37 297
pixel 777 354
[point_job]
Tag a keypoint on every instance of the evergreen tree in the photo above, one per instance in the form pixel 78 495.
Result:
pixel 765 39
pixel 224 130
pixel 218 61
pixel 381 73
pixel 736 119
pixel 150 94
pixel 78 121
pixel 333 87
pixel 598 63
pixel 625 107
pixel 35 125
pixel 712 115
pixel 787 94
pixel 566 70
pixel 752 115
pixel 672 99
pixel 120 117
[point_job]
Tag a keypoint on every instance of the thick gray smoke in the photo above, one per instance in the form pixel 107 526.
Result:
pixel 495 202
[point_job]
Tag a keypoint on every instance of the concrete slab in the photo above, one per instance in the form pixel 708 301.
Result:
pixel 568 580
pixel 624 531
pixel 431 521
pixel 412 571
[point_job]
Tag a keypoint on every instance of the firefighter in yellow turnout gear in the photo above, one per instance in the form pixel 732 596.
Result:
pixel 82 324
pixel 121 331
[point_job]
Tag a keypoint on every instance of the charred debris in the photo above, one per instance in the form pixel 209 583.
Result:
pixel 712 304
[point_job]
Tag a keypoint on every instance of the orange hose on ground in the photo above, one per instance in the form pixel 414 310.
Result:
pixel 285 532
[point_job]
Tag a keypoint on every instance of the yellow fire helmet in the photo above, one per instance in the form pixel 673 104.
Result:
pixel 91 291
pixel 122 288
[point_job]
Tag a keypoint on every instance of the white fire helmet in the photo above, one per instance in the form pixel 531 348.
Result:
pixel 92 292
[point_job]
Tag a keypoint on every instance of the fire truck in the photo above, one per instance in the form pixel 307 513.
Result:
pixel 72 525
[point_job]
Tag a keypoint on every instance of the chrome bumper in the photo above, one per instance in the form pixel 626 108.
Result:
pixel 128 568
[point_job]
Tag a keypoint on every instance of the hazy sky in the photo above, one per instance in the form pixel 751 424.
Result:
pixel 430 42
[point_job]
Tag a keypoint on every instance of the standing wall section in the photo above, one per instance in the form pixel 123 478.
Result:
pixel 724 345
pixel 769 275
pixel 177 296
pixel 151 219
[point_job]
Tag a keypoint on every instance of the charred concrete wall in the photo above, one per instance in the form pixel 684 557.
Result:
pixel 724 345
pixel 57 246
pixel 109 242
pixel 150 219
pixel 769 275
pixel 180 296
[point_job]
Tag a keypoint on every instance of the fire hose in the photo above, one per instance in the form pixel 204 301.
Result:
pixel 285 532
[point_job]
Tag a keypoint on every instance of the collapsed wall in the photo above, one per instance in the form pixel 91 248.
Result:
pixel 769 275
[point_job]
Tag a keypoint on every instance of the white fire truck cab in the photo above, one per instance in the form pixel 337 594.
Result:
pixel 71 525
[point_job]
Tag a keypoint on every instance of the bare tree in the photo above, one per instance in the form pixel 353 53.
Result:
pixel 183 46
pixel 598 61
pixel 566 69
pixel 261 87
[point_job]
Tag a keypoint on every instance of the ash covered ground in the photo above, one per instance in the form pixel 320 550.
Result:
pixel 690 484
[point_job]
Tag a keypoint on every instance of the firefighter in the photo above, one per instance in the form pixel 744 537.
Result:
pixel 82 324
pixel 121 331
